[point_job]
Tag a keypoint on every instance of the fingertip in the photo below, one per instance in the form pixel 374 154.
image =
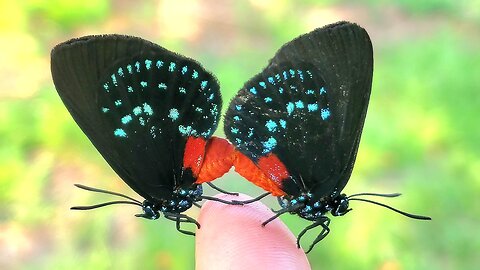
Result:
pixel 232 237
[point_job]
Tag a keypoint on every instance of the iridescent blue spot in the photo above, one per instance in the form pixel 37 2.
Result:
pixel 142 121
pixel 309 74
pixel 299 104
pixel 214 110
pixel 187 131
pixel 283 123
pixel 118 102
pixel 325 113
pixel 293 87
pixel 126 119
pixel 271 80
pixel 238 141
pixel 162 86
pixel 143 84
pixel 234 130
pixel 129 89
pixel 173 114
pixel 105 86
pixel 300 75
pixel 290 108
pixel 238 107
pixel 253 90
pixel 129 68
pixel 203 84
pixel 182 90
pixel 269 145
pixel 236 118
pixel 120 133
pixel 312 107
pixel 267 99
pixel 271 125
pixel 250 132
pixel 137 65
pixel 207 133
pixel 198 109
pixel 194 74
pixel 285 76
pixel 137 110
pixel 211 96
pixel 159 64
pixel 114 80
pixel 277 76
pixel 310 92
pixel 184 70
pixel 105 109
pixel 263 85
pixel 148 64
pixel 322 90
pixel 171 67
pixel 147 109
pixel 280 90
pixel 152 131
pixel 120 72
pixel 292 73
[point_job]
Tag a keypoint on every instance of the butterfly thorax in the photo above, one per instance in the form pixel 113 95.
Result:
pixel 181 200
pixel 311 208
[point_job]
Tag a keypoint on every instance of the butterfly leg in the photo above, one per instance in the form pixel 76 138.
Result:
pixel 282 211
pixel 324 222
pixel 252 200
pixel 280 202
pixel 179 218
pixel 219 200
pixel 221 190
pixel 197 205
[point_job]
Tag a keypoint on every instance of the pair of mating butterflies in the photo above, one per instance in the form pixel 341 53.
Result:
pixel 295 127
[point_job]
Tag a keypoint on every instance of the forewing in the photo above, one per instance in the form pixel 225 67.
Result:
pixel 308 107
pixel 138 103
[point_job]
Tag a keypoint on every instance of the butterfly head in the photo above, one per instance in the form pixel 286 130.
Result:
pixel 150 210
pixel 182 199
pixel 339 204
pixel 311 208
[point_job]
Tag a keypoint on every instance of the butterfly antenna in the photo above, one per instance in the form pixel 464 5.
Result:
pixel 90 207
pixel 391 208
pixel 388 195
pixel 132 200
pixel 107 192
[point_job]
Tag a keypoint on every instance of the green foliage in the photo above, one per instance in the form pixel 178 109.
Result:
pixel 71 13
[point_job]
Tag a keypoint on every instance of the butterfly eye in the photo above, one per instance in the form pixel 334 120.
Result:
pixel 341 207
pixel 150 211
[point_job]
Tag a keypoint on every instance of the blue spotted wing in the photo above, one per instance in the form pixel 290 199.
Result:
pixel 138 103
pixel 307 108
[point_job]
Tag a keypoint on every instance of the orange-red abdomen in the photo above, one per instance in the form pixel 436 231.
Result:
pixel 193 156
pixel 219 157
pixel 259 174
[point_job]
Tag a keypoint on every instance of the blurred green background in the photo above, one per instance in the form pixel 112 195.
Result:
pixel 421 137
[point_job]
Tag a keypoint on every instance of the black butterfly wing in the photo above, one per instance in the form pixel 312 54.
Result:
pixel 138 103
pixel 307 107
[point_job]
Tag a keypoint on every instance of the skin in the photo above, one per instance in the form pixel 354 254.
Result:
pixel 231 237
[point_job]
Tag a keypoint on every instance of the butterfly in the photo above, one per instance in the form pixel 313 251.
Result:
pixel 151 114
pixel 297 124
